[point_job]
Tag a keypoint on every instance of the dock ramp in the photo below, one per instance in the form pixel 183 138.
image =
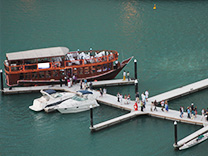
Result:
pixel 191 137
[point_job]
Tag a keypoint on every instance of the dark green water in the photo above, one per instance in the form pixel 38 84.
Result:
pixel 170 44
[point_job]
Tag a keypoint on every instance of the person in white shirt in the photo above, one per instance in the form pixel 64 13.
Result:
pixel 124 75
pixel 146 95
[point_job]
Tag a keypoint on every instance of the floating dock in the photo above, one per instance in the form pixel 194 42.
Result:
pixel 116 120
pixel 179 92
pixel 191 137
pixel 116 82
pixel 19 90
pixel 170 115
pixel 112 101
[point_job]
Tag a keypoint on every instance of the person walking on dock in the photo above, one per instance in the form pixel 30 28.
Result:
pixel 118 97
pixel 124 75
pixel 181 112
pixel 162 103
pixel 121 98
pixel 127 74
pixel 73 77
pixel 166 105
pixel 69 83
pixel 142 106
pixel 104 91
pixel 152 105
pixel 203 114
pixel 101 92
pixel 192 110
pixel 80 84
pixel 188 113
pixel 146 95
pixel 143 99
pixel 128 98
pixel 136 106
pixel 125 99
pixel 90 85
pixel 155 104
pixel 195 110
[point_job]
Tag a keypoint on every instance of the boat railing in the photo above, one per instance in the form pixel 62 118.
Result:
pixel 91 60
pixel 32 67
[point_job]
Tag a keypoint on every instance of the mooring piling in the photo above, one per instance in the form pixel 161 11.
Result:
pixel 136 85
pixel 2 83
pixel 175 132
pixel 135 69
pixel 91 117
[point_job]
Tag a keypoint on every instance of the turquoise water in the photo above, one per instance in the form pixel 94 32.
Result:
pixel 169 43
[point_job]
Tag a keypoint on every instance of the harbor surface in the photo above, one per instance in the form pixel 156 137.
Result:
pixel 169 43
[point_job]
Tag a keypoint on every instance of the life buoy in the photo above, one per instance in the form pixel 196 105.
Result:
pixel 135 106
pixel 99 59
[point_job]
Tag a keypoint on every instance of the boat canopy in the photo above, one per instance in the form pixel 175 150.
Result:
pixel 50 91
pixel 85 92
pixel 38 53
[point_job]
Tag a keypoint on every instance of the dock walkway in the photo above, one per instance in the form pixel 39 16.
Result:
pixel 178 92
pixel 112 101
pixel 19 90
pixel 191 136
pixel 170 115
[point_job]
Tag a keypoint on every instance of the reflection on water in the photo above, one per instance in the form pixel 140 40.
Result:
pixel 28 5
pixel 131 17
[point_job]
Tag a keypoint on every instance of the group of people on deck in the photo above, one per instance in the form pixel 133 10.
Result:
pixel 123 100
pixel 71 80
pixel 127 98
pixel 192 112
pixel 103 91
pixel 163 104
pixel 84 85
pixel 126 75
pixel 204 114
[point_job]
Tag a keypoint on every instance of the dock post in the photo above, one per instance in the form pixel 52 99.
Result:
pixel 175 130
pixel 135 69
pixel 136 85
pixel 2 83
pixel 91 117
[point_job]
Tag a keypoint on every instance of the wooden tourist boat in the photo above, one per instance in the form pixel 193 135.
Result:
pixel 52 65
